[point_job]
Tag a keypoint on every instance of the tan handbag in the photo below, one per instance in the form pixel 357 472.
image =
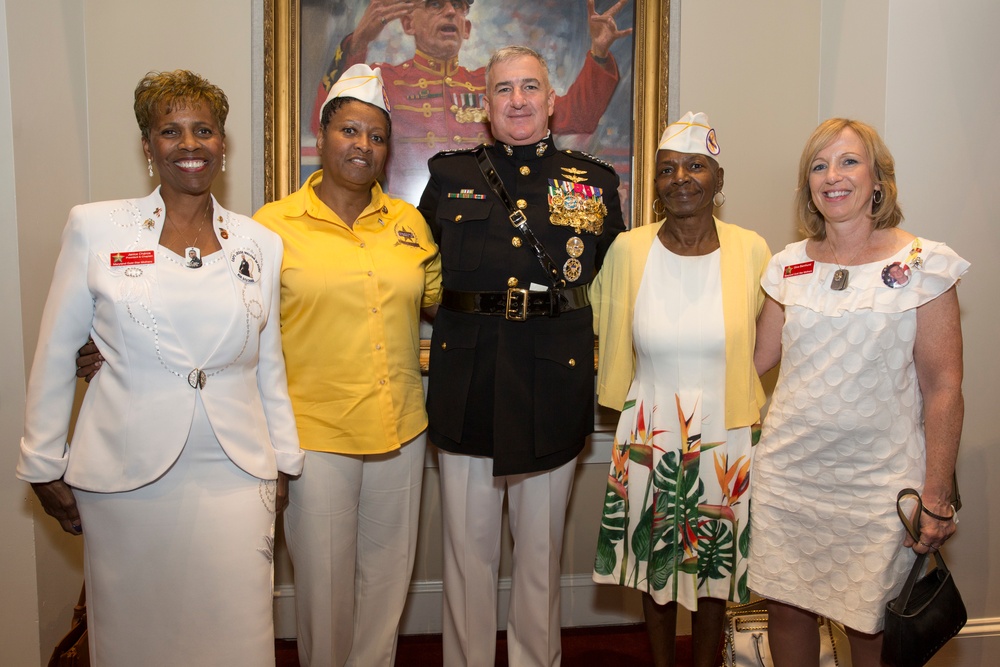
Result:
pixel 73 650
pixel 746 639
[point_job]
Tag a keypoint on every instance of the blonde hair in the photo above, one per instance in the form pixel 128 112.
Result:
pixel 163 92
pixel 886 213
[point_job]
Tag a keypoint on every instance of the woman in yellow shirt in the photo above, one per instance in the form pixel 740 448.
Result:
pixel 358 267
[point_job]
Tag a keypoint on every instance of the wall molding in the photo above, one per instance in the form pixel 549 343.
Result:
pixel 584 604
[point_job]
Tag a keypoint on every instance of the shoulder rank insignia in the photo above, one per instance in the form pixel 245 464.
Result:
pixel 576 205
pixel 456 151
pixel 589 157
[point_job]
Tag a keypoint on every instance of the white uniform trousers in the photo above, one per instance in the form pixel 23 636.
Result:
pixel 472 501
pixel 351 530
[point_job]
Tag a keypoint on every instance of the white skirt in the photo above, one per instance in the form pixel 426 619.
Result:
pixel 179 572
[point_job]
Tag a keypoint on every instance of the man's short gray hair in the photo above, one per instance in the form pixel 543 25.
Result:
pixel 508 53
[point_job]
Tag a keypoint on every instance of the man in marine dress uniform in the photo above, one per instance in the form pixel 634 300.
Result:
pixel 437 104
pixel 511 392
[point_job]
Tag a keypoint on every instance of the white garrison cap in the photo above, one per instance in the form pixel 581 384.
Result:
pixel 691 134
pixel 362 83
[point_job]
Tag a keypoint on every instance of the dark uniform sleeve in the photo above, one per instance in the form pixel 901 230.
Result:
pixel 429 204
pixel 614 224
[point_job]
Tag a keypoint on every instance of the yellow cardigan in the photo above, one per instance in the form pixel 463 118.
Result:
pixel 744 257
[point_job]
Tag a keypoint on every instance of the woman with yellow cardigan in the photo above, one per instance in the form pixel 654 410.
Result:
pixel 675 306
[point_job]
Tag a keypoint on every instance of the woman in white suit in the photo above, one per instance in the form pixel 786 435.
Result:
pixel 180 456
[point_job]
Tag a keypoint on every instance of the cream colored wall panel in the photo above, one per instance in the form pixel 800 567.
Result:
pixel 752 67
pixel 126 39
pixel 943 92
pixel 853 68
pixel 19 613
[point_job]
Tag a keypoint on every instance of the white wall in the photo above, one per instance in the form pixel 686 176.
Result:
pixel 753 68
pixel 942 97
pixel 49 149
pixel 67 113
pixel 19 613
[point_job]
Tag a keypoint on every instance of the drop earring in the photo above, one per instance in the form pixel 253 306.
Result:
pixel 719 199
pixel 223 162
pixel 149 163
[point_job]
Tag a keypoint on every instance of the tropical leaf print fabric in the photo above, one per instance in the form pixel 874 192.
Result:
pixel 675 522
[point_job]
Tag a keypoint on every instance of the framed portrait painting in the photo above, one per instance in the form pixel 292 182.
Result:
pixel 432 62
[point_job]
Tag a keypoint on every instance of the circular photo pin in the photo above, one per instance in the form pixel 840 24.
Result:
pixel 245 265
pixel 896 275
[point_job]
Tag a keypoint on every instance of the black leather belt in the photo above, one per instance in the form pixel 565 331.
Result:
pixel 517 304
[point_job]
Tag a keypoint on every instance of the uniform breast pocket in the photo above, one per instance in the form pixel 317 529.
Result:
pixel 464 226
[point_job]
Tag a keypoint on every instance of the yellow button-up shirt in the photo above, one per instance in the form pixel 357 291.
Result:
pixel 350 316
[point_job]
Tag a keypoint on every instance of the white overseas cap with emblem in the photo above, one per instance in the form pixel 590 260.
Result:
pixel 691 134
pixel 362 83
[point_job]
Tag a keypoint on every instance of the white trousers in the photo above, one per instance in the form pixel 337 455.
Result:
pixel 351 529
pixel 472 501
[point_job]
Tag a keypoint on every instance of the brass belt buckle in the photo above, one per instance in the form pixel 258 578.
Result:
pixel 516 311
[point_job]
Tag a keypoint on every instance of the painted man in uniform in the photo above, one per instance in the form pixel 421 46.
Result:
pixel 437 104
pixel 511 392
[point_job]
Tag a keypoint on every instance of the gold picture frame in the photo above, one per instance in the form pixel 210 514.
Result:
pixel 283 97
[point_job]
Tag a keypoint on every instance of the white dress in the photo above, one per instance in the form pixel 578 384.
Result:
pixel 844 433
pixel 675 518
pixel 178 571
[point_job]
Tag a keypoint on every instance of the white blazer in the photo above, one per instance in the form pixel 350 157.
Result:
pixel 139 407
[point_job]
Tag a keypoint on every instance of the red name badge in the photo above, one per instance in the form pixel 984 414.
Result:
pixel 799 269
pixel 132 258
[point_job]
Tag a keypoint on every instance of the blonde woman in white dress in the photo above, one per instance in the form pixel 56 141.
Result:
pixel 865 320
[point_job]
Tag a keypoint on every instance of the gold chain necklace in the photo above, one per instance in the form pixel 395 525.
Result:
pixel 841 275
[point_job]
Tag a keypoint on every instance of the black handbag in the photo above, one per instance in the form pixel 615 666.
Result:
pixel 929 610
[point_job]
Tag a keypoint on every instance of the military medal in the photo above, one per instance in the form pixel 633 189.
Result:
pixel 467 108
pixel 576 205
pixel 574 247
pixel 572 269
